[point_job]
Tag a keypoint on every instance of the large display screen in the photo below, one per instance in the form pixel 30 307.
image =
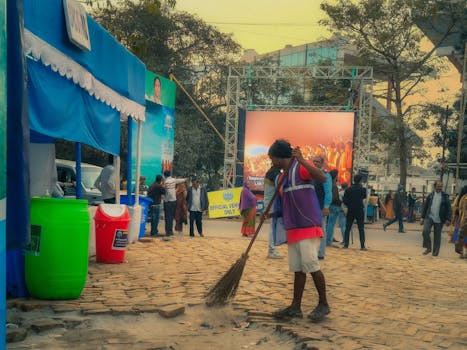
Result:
pixel 329 134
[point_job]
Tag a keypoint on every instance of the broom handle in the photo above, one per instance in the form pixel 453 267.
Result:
pixel 268 208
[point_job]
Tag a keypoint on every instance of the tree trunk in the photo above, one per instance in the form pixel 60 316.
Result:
pixel 403 150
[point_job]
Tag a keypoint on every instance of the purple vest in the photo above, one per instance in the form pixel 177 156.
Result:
pixel 301 206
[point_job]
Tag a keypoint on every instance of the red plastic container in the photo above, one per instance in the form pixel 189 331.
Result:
pixel 112 221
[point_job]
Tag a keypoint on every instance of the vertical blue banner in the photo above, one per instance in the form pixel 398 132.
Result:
pixel 157 141
pixel 3 112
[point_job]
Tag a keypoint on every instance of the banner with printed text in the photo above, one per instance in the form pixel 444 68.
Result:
pixel 157 136
pixel 224 203
pixel 160 90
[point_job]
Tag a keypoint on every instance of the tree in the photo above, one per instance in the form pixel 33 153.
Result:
pixel 385 33
pixel 196 53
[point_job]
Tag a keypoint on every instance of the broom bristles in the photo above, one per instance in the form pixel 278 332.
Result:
pixel 227 286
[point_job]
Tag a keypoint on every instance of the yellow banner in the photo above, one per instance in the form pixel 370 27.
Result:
pixel 224 203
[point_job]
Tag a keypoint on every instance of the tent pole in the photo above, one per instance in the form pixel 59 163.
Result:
pixel 138 162
pixel 128 161
pixel 79 192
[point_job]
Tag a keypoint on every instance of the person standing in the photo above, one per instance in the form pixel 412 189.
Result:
pixel 458 209
pixel 335 210
pixel 269 189
pixel 143 188
pixel 155 191
pixel 170 201
pixel 302 218
pixel 399 206
pixel 353 199
pixel 388 206
pixel 411 199
pixel 181 208
pixel 197 204
pixel 105 182
pixel 324 193
pixel 248 203
pixel 460 242
pixel 435 213
pixel 343 211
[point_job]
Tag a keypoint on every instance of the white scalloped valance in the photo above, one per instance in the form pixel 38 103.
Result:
pixel 66 67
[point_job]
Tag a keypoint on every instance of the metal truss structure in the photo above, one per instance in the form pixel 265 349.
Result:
pixel 238 97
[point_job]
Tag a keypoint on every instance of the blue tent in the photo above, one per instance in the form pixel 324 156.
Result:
pixel 76 94
pixel 72 94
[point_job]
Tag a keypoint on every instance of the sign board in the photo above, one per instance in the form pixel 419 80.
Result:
pixel 77 24
pixel 160 90
pixel 224 203
pixel 120 240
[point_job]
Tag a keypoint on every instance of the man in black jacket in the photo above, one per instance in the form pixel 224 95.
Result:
pixel 436 212
pixel 198 203
pixel 399 205
pixel 155 191
pixel 353 199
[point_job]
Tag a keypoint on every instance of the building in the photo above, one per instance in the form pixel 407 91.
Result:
pixel 336 52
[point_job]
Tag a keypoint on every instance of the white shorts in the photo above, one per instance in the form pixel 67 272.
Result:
pixel 303 255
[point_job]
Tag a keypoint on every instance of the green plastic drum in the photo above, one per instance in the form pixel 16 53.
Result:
pixel 56 263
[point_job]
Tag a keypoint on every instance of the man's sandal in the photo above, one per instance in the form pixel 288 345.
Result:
pixel 287 313
pixel 319 312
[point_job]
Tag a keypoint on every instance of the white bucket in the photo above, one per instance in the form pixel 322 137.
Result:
pixel 135 223
pixel 92 230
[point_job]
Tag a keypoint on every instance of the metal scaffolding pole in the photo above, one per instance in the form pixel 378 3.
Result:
pixel 238 96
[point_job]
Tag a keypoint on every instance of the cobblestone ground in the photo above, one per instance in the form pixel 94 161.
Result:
pixel 378 299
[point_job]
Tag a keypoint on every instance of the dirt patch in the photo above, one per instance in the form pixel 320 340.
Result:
pixel 199 327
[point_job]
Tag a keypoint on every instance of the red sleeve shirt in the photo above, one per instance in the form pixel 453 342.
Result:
pixel 299 234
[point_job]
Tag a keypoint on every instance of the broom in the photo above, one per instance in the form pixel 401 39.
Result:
pixel 226 288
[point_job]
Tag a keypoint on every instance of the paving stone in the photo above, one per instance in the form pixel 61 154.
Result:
pixel 45 324
pixel 411 330
pixel 97 311
pixel 379 300
pixel 127 310
pixel 170 311
pixel 14 335
pixel 31 304
pixel 60 308
pixel 72 321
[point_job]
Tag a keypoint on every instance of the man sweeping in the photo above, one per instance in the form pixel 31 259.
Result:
pixel 302 218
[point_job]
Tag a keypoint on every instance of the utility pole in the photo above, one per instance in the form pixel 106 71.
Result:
pixel 444 129
pixel 460 130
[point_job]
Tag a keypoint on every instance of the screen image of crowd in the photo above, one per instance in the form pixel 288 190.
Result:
pixel 336 155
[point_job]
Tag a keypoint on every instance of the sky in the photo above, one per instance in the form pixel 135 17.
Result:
pixel 263 25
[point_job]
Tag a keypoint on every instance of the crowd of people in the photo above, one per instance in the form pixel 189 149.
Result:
pixel 336 155
pixel 181 205
pixel 310 203
pixel 337 202
pixel 304 203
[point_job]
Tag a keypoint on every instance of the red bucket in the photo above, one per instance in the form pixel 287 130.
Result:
pixel 112 221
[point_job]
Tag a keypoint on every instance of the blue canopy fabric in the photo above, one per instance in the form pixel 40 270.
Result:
pixel 61 109
pixel 108 60
pixel 75 94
